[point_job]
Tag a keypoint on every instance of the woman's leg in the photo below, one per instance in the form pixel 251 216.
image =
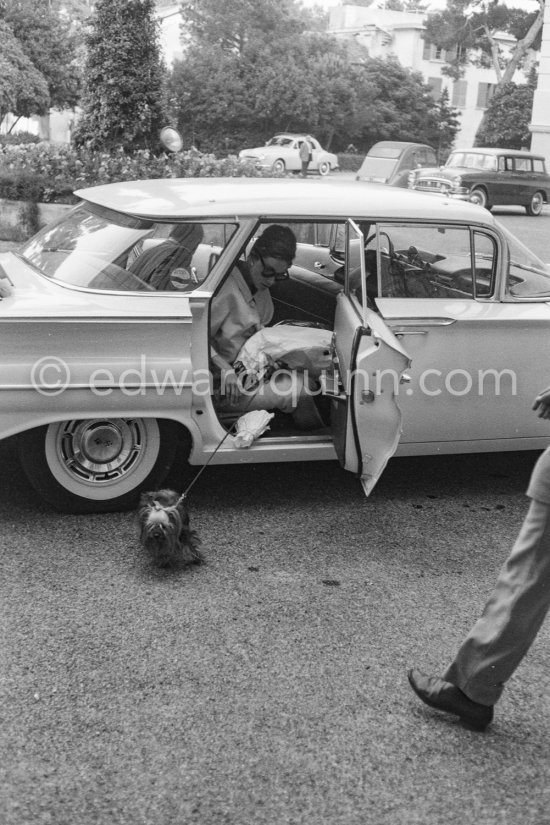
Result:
pixel 285 391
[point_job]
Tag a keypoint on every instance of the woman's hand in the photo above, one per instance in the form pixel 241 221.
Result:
pixel 230 386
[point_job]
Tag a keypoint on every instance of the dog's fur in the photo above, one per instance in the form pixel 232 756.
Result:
pixel 165 532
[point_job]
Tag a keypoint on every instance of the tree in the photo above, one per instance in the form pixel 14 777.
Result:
pixel 256 67
pixel 124 97
pixel 508 117
pixel 394 103
pixel 240 24
pixel 468 29
pixel 23 89
pixel 253 67
pixel 50 46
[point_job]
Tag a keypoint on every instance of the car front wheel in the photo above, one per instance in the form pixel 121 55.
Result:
pixel 97 465
pixel 479 197
pixel 279 166
pixel 324 167
pixel 534 207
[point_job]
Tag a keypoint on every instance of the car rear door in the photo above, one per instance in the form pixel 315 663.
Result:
pixel 369 366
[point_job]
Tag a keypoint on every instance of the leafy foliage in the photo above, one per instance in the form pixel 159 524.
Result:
pixel 241 24
pixel 123 101
pixel 506 122
pixel 255 67
pixel 467 30
pixel 49 172
pixel 23 89
pixel 49 45
pixel 394 103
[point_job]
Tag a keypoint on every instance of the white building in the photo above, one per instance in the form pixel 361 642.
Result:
pixel 383 32
pixel 168 13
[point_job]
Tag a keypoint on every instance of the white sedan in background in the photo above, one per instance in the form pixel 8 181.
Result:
pixel 282 154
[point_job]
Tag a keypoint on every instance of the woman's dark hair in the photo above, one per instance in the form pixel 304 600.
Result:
pixel 277 241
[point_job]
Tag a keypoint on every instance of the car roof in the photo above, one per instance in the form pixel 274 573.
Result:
pixel 522 153
pixel 399 143
pixel 170 198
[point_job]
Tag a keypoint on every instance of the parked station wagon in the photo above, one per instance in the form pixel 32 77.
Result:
pixel 436 318
pixel 489 177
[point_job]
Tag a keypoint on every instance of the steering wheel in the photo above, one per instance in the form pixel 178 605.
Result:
pixel 385 234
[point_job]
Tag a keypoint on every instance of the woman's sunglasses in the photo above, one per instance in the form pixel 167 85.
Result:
pixel 269 272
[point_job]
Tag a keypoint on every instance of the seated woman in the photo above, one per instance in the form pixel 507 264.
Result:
pixel 242 307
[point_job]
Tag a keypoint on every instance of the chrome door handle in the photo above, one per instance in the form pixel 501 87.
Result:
pixel 319 265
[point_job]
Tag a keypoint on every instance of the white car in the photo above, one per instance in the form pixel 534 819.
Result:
pixel 437 317
pixel 282 154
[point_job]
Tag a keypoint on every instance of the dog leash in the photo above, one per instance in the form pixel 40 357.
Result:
pixel 211 456
pixel 204 466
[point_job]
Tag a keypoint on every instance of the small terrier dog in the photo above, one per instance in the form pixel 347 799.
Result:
pixel 165 532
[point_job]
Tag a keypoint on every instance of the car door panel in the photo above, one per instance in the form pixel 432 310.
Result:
pixel 475 368
pixel 366 419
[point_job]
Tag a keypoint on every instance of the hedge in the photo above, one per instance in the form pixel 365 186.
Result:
pixel 49 173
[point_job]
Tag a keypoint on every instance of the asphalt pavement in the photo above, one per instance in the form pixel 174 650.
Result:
pixel 268 686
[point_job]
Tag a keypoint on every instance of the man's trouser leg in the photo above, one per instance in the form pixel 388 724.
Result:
pixel 512 616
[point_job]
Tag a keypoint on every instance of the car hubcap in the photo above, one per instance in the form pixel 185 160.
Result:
pixel 536 203
pixel 98 452
pixel 477 198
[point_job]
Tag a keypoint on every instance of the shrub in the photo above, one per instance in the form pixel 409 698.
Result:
pixel 48 172
pixel 350 162
pixel 21 186
pixel 17 138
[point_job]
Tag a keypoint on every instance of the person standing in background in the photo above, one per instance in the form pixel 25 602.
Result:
pixel 305 154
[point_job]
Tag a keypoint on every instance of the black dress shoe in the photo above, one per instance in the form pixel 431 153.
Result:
pixel 444 696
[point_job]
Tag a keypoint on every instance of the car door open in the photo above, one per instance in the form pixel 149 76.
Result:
pixel 369 366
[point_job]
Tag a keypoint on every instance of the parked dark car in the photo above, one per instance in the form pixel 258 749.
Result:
pixel 489 177
pixel 391 161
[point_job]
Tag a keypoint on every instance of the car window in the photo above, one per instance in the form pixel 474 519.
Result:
pixel 379 169
pixel 93 248
pixel 279 140
pixel 431 261
pixel 527 276
pixel 523 164
pixel 472 160
pixel 378 151
pixel 538 165
pixel 314 234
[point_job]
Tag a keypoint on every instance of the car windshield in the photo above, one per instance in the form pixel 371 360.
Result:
pixel 280 140
pixel 377 167
pixel 472 160
pixel 528 276
pixel 95 248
